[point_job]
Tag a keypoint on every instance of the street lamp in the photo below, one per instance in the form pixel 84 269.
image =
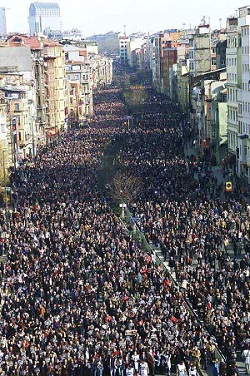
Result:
pixel 128 118
pixel 122 206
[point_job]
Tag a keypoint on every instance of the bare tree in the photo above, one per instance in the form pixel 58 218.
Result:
pixel 135 96
pixel 126 188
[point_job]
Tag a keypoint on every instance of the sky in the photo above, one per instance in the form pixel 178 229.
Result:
pixel 149 16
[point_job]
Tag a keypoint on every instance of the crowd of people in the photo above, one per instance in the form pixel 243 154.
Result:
pixel 81 296
pixel 181 211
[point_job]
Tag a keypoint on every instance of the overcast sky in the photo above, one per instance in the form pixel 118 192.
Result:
pixel 101 16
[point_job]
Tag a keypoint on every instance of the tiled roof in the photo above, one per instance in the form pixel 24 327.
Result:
pixel 23 40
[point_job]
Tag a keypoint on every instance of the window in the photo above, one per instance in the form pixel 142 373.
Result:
pixel 2 128
pixel 245 151
pixel 16 106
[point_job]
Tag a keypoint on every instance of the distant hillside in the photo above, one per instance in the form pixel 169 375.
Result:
pixel 107 43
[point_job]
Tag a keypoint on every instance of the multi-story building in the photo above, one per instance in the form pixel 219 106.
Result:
pixel 243 151
pixel 220 53
pixel 182 73
pixel 87 51
pixel 217 120
pixel 3 27
pixel 200 49
pixel 19 126
pixel 78 75
pixel 55 83
pixel 136 41
pixel 44 17
pixel 233 64
pixel 18 86
pixel 199 63
pixel 36 50
pixel 169 58
pixel 182 86
pixel 49 82
pixel 85 71
pixel 123 48
pixel 73 34
pixel 101 70
pixel 163 50
pixel 158 44
pixel 138 58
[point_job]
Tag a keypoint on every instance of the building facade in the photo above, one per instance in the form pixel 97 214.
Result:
pixel 243 151
pixel 123 49
pixel 55 80
pixel 3 27
pixel 44 17
pixel 233 63
pixel 19 91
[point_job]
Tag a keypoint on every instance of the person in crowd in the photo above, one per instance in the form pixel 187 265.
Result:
pixel 181 369
pixel 246 357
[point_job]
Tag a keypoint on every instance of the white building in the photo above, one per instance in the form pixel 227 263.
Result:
pixel 135 42
pixel 244 95
pixel 123 48
pixel 19 87
pixel 44 17
pixel 3 28
pixel 233 64
pixel 128 44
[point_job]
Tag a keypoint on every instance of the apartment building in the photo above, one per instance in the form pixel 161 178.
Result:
pixel 200 49
pixel 233 64
pixel 40 115
pixel 55 79
pixel 86 71
pixel 101 70
pixel 19 93
pixel 163 49
pixel 243 151
pixel 78 75
pixel 123 48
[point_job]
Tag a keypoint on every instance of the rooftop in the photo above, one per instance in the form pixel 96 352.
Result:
pixel 39 5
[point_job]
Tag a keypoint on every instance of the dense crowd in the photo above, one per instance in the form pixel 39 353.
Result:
pixel 181 211
pixel 79 294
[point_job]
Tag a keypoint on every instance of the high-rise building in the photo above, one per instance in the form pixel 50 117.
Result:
pixel 3 28
pixel 44 17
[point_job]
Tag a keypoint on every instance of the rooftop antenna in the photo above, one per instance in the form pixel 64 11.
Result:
pixel 220 22
pixel 124 28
